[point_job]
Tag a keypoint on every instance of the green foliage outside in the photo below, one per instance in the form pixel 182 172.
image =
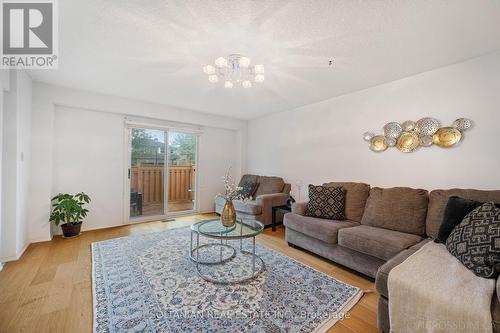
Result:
pixel 182 148
pixel 148 149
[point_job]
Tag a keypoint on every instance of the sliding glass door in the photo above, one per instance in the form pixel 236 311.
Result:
pixel 181 171
pixel 162 173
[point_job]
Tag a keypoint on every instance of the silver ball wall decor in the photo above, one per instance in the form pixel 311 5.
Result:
pixel 427 126
pixel 368 136
pixel 426 140
pixel 410 135
pixel 392 130
pixel 391 142
pixel 408 125
pixel 462 124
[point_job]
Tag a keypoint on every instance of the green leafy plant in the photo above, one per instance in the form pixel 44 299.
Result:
pixel 68 208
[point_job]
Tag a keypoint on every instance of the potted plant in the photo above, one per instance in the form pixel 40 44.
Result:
pixel 68 209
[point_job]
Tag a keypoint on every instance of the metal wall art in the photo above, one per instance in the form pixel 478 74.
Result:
pixel 410 135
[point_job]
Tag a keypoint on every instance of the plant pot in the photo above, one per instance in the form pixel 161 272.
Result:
pixel 71 230
pixel 228 215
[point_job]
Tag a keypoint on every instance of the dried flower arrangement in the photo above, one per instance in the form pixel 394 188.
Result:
pixel 231 190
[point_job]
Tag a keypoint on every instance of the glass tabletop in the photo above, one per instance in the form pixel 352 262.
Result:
pixel 242 229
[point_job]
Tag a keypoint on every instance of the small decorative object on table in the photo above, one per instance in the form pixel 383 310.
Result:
pixel 231 192
pixel 290 201
pixel 68 208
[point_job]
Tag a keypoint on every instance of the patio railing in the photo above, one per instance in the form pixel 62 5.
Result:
pixel 148 179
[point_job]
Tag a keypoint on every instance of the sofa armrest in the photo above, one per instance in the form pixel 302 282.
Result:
pixel 498 288
pixel 272 200
pixel 299 208
pixel 267 202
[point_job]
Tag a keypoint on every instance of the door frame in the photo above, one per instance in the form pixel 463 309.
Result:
pixel 128 165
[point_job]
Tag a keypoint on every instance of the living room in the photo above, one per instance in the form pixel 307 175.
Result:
pixel 262 166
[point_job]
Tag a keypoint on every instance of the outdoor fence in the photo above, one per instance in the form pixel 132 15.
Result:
pixel 148 179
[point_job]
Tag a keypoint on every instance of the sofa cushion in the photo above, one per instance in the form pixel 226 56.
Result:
pixel 269 185
pixel 399 208
pixel 326 202
pixel 324 230
pixel 377 242
pixel 355 198
pixel 439 198
pixel 247 207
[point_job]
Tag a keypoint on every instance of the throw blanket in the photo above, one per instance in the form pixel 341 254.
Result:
pixel 431 291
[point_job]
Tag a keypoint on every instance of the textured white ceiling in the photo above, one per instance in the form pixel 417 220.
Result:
pixel 154 50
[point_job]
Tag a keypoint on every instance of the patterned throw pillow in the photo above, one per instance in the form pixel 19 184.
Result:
pixel 326 202
pixel 476 241
pixel 248 187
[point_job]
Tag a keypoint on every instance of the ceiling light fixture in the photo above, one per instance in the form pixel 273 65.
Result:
pixel 232 69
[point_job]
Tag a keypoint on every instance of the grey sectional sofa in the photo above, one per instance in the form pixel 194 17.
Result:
pixel 383 227
pixel 271 192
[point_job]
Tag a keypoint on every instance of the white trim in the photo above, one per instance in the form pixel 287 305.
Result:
pixel 166 128
pixel 15 257
pixel 126 180
pixel 1 266
pixel 39 240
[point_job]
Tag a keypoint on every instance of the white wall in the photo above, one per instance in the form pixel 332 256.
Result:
pixel 15 165
pixel 72 129
pixel 4 88
pixel 89 156
pixel 323 141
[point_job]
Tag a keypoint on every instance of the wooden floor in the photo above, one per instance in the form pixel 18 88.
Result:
pixel 50 289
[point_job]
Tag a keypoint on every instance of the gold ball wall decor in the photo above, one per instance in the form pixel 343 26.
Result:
pixel 408 142
pixel 378 144
pixel 446 137
pixel 410 135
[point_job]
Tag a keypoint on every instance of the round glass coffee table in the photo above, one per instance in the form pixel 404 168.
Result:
pixel 231 264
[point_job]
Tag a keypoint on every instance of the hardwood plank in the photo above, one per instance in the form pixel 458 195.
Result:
pixel 50 289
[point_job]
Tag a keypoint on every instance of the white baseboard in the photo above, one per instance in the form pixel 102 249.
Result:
pixel 16 257
pixel 39 240
pixel 1 266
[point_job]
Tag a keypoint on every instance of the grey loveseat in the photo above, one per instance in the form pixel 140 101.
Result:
pixel 383 227
pixel 271 192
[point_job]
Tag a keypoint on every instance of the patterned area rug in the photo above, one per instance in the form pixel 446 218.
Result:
pixel 147 283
